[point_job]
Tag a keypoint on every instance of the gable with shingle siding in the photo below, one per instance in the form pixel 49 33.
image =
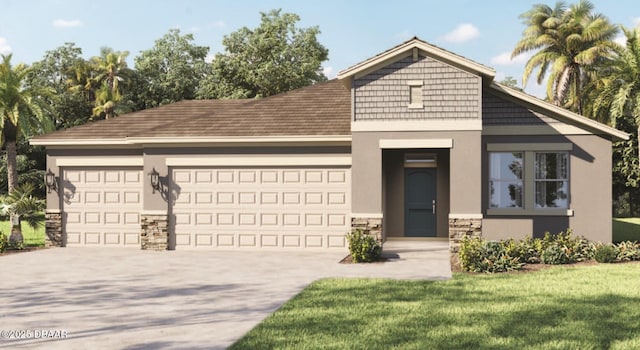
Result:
pixel 499 111
pixel 447 92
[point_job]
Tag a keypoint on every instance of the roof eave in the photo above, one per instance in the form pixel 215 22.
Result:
pixel 420 45
pixel 193 141
pixel 562 113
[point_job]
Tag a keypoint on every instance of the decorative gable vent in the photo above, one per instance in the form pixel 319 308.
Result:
pixel 415 94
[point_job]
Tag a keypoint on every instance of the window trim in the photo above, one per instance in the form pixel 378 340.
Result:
pixel 528 178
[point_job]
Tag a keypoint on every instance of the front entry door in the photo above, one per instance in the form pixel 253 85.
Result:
pixel 419 201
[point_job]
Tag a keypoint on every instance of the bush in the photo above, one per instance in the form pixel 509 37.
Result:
pixel 4 242
pixel 628 251
pixel 363 247
pixel 606 253
pixel 527 251
pixel 556 254
pixel 478 255
pixel 564 248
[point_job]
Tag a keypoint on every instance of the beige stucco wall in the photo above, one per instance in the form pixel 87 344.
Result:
pixel 464 158
pixel 590 192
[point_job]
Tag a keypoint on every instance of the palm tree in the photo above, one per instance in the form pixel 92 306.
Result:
pixel 618 94
pixel 22 204
pixel 566 41
pixel 110 68
pixel 22 113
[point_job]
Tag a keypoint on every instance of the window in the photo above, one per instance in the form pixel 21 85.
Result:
pixel 415 94
pixel 505 176
pixel 551 181
pixel 529 179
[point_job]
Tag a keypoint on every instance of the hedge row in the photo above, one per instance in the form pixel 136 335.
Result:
pixel 479 255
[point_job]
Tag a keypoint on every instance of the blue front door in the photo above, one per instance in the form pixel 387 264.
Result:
pixel 419 202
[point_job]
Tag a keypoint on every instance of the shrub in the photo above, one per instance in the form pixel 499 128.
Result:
pixel 606 253
pixel 533 250
pixel 363 247
pixel 556 254
pixel 4 242
pixel 569 249
pixel 478 255
pixel 628 251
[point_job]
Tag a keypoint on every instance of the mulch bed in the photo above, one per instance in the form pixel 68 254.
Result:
pixel 349 260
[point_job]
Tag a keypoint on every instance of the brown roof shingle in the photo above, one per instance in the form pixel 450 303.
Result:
pixel 320 109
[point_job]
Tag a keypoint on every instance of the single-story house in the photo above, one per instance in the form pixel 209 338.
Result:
pixel 413 142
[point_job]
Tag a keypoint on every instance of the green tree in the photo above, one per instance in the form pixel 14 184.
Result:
pixel 170 71
pixel 272 58
pixel 616 100
pixel 110 69
pixel 23 112
pixel 567 41
pixel 510 82
pixel 65 72
pixel 21 203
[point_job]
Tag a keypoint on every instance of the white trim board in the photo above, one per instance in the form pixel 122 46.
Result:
pixel 465 216
pixel 99 161
pixel 313 139
pixel 417 125
pixel 513 147
pixel 261 161
pixel 415 143
pixel 367 215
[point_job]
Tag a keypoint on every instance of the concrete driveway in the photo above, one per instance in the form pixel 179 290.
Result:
pixel 131 299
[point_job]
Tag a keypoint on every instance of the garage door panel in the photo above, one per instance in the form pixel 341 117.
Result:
pixel 102 206
pixel 261 207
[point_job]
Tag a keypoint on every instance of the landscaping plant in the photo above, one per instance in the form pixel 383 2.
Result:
pixel 606 253
pixel 363 247
pixel 3 242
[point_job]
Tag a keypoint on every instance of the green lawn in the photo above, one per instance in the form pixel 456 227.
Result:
pixel 31 237
pixel 587 307
pixel 626 229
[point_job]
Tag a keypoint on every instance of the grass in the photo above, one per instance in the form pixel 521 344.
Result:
pixel 586 307
pixel 626 229
pixel 32 238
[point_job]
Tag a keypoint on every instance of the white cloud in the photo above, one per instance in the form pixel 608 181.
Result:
pixel 218 24
pixel 328 72
pixel 62 23
pixel 194 29
pixel 209 58
pixel 504 59
pixel 636 21
pixel 621 39
pixel 463 32
pixel 5 49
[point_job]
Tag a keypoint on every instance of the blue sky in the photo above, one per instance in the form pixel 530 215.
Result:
pixel 353 30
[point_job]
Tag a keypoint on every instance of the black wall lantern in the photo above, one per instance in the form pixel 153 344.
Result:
pixel 155 180
pixel 50 181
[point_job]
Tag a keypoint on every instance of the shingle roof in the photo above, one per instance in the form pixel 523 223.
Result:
pixel 320 109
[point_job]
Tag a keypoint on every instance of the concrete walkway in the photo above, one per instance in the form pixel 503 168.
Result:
pixel 131 299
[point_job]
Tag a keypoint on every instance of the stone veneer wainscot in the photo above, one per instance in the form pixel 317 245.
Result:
pixel 154 233
pixel 459 228
pixel 53 229
pixel 368 225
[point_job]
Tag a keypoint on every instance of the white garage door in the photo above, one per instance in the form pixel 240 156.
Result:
pixel 101 206
pixel 261 207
